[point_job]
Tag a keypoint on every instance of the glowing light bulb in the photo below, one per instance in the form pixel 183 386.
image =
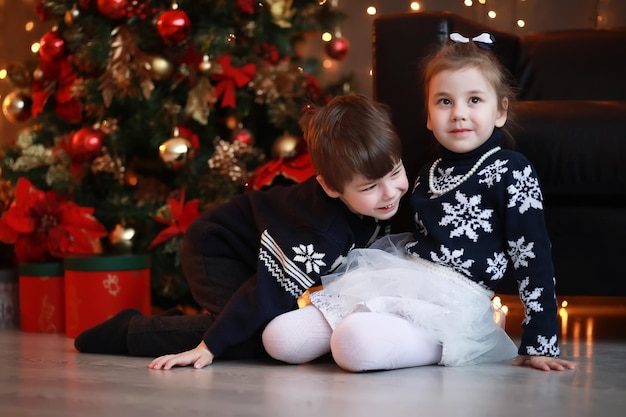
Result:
pixel 521 23
pixel 491 14
pixel 371 10
pixel 415 6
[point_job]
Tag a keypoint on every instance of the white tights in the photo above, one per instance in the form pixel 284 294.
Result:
pixel 362 341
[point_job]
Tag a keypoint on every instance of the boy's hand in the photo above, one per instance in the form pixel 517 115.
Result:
pixel 199 357
pixel 544 363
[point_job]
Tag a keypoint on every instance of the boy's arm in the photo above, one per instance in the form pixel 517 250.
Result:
pixel 285 271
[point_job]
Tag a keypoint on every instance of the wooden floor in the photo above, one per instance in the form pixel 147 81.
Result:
pixel 42 375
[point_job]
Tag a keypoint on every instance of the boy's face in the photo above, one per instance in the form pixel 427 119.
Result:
pixel 463 109
pixel 375 198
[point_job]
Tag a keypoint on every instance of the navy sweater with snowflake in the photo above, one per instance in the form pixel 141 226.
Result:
pixel 491 220
pixel 293 234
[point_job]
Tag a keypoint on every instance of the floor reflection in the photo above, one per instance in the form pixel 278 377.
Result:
pixel 582 319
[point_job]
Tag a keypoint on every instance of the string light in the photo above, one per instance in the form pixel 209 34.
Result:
pixel 415 6
pixel 371 11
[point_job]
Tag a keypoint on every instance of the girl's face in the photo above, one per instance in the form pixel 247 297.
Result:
pixel 463 109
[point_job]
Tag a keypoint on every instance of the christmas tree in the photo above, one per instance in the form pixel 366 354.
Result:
pixel 142 113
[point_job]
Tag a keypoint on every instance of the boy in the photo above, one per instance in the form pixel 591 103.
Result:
pixel 249 260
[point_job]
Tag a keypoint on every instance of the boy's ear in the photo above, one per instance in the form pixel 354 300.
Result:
pixel 329 191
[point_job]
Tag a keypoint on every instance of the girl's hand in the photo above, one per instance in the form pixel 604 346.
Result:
pixel 544 363
pixel 199 357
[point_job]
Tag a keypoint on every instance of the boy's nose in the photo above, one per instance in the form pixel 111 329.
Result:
pixel 388 190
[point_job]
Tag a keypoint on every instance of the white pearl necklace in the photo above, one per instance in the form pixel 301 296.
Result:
pixel 433 167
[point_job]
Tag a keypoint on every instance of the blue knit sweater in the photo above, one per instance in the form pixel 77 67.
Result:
pixel 492 220
pixel 293 235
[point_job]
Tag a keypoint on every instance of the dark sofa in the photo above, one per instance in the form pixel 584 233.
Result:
pixel 570 121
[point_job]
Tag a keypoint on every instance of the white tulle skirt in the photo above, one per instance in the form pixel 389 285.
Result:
pixel 454 309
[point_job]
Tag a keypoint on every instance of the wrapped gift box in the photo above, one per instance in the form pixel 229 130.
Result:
pixel 41 297
pixel 98 287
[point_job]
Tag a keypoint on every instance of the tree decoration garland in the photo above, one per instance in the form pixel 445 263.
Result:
pixel 125 61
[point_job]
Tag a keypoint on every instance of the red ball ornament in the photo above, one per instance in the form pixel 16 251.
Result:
pixel 113 9
pixel 242 135
pixel 86 143
pixel 338 48
pixel 51 46
pixel 174 26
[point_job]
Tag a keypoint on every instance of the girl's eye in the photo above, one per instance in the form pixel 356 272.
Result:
pixel 445 101
pixel 475 100
pixel 369 187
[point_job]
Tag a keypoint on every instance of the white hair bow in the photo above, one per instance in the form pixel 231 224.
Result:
pixel 484 40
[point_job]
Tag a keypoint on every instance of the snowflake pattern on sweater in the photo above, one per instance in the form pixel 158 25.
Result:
pixel 489 222
pixel 293 234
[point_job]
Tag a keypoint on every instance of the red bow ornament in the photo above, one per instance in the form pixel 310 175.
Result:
pixel 230 79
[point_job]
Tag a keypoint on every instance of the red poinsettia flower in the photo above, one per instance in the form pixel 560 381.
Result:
pixel 178 216
pixel 43 226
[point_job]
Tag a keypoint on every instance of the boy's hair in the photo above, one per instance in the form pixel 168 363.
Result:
pixel 351 135
pixel 455 56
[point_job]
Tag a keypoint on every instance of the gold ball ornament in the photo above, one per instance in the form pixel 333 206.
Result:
pixel 161 68
pixel 176 152
pixel 206 65
pixel 231 122
pixel 17 106
pixel 285 146
pixel 121 238
pixel 38 74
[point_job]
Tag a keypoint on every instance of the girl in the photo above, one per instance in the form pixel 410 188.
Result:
pixel 425 299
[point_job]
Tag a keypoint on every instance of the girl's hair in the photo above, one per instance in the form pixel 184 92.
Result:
pixel 455 56
pixel 351 135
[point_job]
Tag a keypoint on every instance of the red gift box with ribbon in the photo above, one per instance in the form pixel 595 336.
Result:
pixel 42 297
pixel 98 287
